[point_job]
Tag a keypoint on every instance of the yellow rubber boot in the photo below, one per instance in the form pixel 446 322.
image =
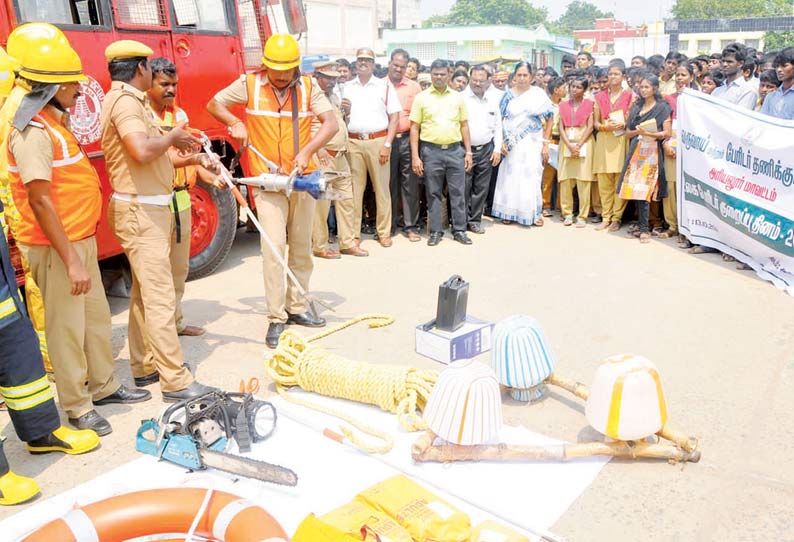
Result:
pixel 15 489
pixel 68 441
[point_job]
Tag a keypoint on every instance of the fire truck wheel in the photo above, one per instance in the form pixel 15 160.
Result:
pixel 214 225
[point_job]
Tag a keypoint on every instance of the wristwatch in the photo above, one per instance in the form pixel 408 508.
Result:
pixel 387 144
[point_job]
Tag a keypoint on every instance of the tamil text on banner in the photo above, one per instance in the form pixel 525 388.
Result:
pixel 735 175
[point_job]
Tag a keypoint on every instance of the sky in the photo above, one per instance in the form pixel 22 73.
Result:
pixel 631 11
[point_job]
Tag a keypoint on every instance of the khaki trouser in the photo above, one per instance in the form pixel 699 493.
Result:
pixel 612 206
pixel 345 210
pixel 670 203
pixel 78 327
pixel 566 197
pixel 288 223
pixel 547 185
pixel 145 233
pixel 595 202
pixel 364 157
pixel 180 265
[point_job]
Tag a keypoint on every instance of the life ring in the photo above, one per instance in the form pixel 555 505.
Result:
pixel 226 518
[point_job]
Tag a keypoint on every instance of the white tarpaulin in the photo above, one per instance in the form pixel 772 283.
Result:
pixel 735 175
pixel 526 496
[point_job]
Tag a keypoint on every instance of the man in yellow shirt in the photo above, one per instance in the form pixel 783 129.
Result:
pixel 439 122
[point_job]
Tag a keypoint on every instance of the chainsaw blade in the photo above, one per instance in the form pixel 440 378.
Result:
pixel 250 468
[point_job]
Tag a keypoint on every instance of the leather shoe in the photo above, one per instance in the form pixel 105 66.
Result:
pixel 195 389
pixel 125 396
pixel 385 242
pixel 435 238
pixel 274 331
pixel 305 319
pixel 146 380
pixel 92 420
pixel 355 251
pixel 328 254
pixel 461 237
pixel 476 228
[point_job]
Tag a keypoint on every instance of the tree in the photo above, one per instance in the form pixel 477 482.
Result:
pixel 778 40
pixel 720 9
pixel 580 15
pixel 515 12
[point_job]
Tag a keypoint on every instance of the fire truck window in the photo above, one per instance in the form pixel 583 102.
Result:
pixel 249 31
pixel 140 12
pixel 201 14
pixel 82 12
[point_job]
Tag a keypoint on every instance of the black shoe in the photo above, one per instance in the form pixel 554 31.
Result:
pixel 274 331
pixel 146 380
pixel 435 238
pixel 461 237
pixel 597 219
pixel 92 420
pixel 125 396
pixel 195 389
pixel 305 319
pixel 477 228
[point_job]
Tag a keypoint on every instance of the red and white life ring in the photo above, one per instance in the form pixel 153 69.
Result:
pixel 226 517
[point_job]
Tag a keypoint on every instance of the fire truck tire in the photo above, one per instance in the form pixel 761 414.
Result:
pixel 214 224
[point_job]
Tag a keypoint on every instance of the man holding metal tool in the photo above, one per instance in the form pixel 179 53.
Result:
pixel 280 107
pixel 136 154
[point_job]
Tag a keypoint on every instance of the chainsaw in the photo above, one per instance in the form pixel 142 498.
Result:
pixel 196 434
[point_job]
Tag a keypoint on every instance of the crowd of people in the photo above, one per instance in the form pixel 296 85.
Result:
pixel 526 141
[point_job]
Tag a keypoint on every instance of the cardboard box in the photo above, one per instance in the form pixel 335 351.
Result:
pixel 470 340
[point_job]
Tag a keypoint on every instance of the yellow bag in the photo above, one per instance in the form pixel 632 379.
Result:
pixel 425 516
pixel 354 522
pixel 491 531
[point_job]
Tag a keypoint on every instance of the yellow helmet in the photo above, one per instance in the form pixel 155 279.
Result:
pixel 52 62
pixel 6 73
pixel 282 52
pixel 24 39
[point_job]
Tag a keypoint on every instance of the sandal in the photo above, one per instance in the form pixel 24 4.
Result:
pixel 700 249
pixel 615 226
pixel 645 238
pixel 506 222
pixel 539 222
pixel 667 234
pixel 743 267
pixel 633 228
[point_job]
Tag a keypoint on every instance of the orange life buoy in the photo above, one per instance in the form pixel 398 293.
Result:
pixel 226 518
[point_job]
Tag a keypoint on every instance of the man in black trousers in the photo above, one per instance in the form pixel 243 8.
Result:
pixel 439 123
pixel 485 128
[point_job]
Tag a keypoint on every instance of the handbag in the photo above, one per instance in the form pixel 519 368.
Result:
pixel 453 296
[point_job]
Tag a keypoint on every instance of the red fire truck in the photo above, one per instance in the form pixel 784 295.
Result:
pixel 210 41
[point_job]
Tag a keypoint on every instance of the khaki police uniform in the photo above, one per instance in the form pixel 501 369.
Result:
pixel 141 220
pixel 337 148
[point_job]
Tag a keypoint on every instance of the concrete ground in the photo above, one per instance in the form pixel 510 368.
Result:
pixel 720 337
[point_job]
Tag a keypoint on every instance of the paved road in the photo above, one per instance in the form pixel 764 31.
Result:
pixel 721 338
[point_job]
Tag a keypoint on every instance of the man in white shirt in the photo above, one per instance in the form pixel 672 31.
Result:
pixel 485 129
pixel 735 89
pixel 372 109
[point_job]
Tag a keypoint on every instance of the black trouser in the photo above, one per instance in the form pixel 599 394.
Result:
pixel 491 190
pixel 478 181
pixel 404 186
pixel 445 164
pixel 643 210
pixel 23 382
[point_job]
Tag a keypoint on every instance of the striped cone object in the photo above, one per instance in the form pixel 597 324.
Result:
pixel 465 406
pixel 521 357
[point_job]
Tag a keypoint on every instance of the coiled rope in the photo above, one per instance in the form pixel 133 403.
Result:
pixel 400 390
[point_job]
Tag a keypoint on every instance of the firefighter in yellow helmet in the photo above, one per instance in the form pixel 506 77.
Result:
pixel 23 384
pixel 280 106
pixel 58 194
pixel 19 43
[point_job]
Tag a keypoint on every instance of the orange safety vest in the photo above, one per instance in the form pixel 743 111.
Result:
pixel 269 123
pixel 74 187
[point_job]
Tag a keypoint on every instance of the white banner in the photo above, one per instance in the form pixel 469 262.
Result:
pixel 734 183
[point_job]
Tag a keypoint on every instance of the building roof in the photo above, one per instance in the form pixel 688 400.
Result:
pixel 469 33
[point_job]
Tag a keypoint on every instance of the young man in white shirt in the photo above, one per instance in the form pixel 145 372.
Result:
pixel 735 89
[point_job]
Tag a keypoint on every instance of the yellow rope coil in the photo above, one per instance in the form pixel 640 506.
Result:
pixel 401 390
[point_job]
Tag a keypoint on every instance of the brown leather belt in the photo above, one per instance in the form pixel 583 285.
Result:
pixel 374 135
pixel 333 153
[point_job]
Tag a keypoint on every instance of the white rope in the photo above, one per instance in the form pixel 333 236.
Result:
pixel 199 515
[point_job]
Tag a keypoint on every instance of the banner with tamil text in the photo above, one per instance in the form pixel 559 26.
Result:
pixel 734 184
